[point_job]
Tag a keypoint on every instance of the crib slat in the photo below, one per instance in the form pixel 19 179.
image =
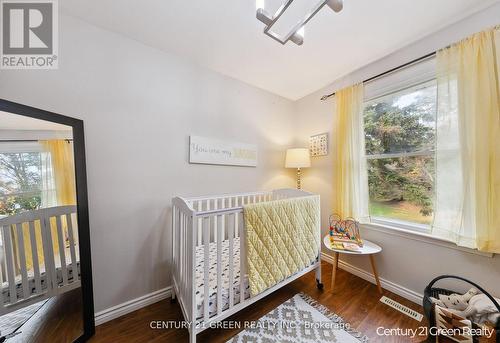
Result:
pixel 200 235
pixel 175 243
pixel 62 252
pixel 174 250
pixel 206 265
pixel 69 225
pixel 2 301
pixel 184 250
pixel 219 263
pixel 236 227
pixel 223 219
pixel 2 261
pixel 241 227
pixel 186 256
pixel 215 219
pixel 190 295
pixel 208 209
pixel 182 246
pixel 181 250
pixel 10 264
pixel 231 225
pixel 34 253
pixel 48 253
pixel 22 260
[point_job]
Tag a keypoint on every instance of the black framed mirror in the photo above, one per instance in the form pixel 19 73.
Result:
pixel 45 257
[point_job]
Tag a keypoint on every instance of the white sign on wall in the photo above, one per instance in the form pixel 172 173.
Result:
pixel 214 151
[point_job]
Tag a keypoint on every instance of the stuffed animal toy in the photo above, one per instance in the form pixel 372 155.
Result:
pixel 480 310
pixel 458 302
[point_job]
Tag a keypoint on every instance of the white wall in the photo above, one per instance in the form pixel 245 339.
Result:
pixel 139 106
pixel 407 262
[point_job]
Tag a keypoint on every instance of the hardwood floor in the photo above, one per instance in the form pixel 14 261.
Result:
pixel 60 319
pixel 355 299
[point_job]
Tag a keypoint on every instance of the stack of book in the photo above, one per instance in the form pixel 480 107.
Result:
pixel 345 246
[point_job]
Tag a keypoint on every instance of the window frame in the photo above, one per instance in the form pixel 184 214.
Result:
pixel 20 147
pixel 400 87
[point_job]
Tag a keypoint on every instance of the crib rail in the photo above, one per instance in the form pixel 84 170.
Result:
pixel 34 247
pixel 183 258
pixel 202 224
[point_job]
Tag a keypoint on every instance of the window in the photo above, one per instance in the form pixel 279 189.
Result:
pixel 25 178
pixel 399 141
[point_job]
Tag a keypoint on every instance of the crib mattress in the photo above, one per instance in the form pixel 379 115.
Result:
pixel 200 287
pixel 43 281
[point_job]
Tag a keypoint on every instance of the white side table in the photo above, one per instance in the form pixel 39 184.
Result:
pixel 369 248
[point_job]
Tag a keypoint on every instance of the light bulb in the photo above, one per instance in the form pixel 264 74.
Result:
pixel 260 4
pixel 301 31
pixel 336 5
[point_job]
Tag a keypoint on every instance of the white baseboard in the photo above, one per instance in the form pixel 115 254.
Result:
pixel 131 305
pixel 368 276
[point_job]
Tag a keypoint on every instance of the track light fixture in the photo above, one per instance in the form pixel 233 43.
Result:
pixel 296 31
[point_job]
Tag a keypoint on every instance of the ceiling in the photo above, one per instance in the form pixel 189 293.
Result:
pixel 225 36
pixel 10 121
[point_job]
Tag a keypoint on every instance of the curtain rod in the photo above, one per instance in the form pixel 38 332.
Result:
pixel 325 97
pixel 27 140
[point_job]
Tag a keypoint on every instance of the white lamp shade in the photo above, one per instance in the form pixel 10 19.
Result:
pixel 297 158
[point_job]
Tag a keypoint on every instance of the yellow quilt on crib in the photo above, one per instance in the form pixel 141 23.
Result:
pixel 282 238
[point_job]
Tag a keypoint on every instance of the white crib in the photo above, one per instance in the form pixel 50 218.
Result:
pixel 212 229
pixel 24 283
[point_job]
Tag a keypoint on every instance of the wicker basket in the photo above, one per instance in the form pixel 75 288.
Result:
pixel 431 291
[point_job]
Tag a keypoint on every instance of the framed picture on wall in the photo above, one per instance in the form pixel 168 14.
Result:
pixel 204 150
pixel 318 144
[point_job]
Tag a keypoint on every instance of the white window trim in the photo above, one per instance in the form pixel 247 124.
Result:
pixel 19 147
pixel 401 154
pixel 391 228
pixel 413 77
pixel 401 224
pixel 401 79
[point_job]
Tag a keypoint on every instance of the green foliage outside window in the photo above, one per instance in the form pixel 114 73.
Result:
pixel 399 137
pixel 20 182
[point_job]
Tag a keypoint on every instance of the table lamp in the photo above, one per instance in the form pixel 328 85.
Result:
pixel 297 158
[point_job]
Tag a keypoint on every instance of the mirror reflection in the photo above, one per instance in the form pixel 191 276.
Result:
pixel 40 296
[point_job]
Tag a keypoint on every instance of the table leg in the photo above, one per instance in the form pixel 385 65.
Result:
pixel 334 268
pixel 375 273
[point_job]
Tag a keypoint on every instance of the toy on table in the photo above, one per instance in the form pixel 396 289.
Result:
pixel 344 233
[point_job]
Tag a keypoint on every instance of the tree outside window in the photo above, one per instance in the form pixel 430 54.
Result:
pixel 400 138
pixel 20 182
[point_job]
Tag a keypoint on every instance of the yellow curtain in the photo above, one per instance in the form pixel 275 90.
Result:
pixel 62 164
pixel 350 193
pixel 467 206
pixel 63 167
